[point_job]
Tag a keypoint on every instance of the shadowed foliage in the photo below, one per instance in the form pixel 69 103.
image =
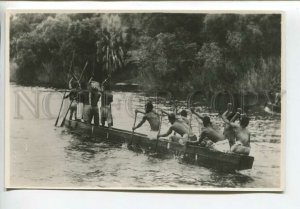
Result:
pixel 174 52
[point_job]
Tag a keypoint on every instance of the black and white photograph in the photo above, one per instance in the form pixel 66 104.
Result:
pixel 145 100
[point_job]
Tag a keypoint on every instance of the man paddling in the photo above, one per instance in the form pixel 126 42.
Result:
pixel 182 128
pixel 184 117
pixel 153 119
pixel 209 134
pixel 228 132
pixel 242 134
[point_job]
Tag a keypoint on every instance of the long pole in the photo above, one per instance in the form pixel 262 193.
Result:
pixel 63 122
pixel 129 144
pixel 62 101
pixel 160 122
pixel 83 70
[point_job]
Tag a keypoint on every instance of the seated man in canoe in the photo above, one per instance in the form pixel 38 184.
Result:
pixel 209 134
pixel 153 119
pixel 228 132
pixel 184 116
pixel 182 128
pixel 242 135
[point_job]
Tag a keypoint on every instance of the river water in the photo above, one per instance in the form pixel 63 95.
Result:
pixel 45 156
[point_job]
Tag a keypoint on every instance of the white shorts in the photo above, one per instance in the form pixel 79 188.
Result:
pixel 182 139
pixel 73 106
pixel 79 110
pixel 86 112
pixel 240 149
pixel 106 114
pixel 152 135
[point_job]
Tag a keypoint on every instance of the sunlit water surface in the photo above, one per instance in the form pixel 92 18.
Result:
pixel 42 155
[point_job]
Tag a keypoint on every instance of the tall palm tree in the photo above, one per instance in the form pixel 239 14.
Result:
pixel 110 51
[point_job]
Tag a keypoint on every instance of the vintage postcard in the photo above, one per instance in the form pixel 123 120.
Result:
pixel 174 100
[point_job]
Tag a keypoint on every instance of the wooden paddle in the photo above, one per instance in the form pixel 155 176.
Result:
pixel 63 122
pixel 129 144
pixel 87 62
pixel 158 133
pixel 109 126
pixel 62 101
pixel 190 124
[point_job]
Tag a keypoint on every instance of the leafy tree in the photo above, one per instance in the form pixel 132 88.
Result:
pixel 110 47
pixel 176 52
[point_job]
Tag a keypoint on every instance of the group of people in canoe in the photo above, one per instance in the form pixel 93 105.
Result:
pixel 237 135
pixel 84 98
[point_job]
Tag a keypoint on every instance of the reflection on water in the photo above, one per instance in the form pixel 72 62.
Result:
pixel 46 156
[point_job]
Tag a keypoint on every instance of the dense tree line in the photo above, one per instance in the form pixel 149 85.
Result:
pixel 175 52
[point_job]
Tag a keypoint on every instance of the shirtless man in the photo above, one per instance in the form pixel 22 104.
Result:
pixel 94 97
pixel 180 127
pixel 228 132
pixel 83 103
pixel 242 135
pixel 73 96
pixel 106 100
pixel 153 119
pixel 184 117
pixel 209 134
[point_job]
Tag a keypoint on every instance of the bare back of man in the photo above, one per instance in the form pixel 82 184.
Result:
pixel 153 119
pixel 180 127
pixel 212 134
pixel 183 129
pixel 242 145
pixel 242 135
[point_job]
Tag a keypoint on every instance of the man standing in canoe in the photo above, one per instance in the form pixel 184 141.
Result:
pixel 209 134
pixel 83 105
pixel 88 102
pixel 73 96
pixel 94 97
pixel 153 119
pixel 182 128
pixel 242 135
pixel 106 100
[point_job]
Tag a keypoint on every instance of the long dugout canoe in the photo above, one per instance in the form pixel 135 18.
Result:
pixel 191 154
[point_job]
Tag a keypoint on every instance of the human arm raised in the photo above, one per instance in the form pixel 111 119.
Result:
pixel 231 123
pixel 236 116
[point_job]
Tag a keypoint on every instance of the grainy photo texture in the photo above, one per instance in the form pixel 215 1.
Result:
pixel 170 101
